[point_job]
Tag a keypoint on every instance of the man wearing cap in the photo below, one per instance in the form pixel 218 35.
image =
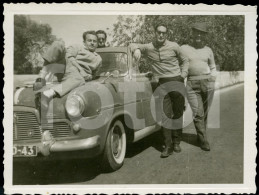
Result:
pixel 170 68
pixel 201 80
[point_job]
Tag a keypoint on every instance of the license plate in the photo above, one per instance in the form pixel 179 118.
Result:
pixel 26 151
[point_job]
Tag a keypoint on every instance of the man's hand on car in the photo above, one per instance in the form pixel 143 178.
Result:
pixel 85 75
pixel 88 77
pixel 137 54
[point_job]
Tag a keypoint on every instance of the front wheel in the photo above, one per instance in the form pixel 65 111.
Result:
pixel 115 147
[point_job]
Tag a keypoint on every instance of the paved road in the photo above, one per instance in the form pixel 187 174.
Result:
pixel 143 165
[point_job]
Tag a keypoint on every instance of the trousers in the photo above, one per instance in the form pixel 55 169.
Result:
pixel 172 93
pixel 200 95
pixel 71 79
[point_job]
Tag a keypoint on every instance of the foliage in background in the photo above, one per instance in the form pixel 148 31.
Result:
pixel 226 37
pixel 30 40
pixel 226 34
pixel 128 30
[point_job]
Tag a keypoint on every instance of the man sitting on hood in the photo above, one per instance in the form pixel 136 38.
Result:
pixel 82 62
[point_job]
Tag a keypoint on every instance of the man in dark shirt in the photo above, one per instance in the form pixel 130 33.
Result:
pixel 170 67
pixel 102 36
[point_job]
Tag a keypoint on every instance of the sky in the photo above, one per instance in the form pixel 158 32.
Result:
pixel 71 27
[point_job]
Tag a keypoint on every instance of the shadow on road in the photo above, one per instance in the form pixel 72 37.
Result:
pixel 190 139
pixel 55 172
pixel 66 171
pixel 80 170
pixel 155 140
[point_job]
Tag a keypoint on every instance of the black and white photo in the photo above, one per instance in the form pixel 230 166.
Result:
pixel 140 98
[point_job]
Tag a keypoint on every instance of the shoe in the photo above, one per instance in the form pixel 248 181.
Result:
pixel 167 152
pixel 177 148
pixel 47 138
pixel 47 141
pixel 205 146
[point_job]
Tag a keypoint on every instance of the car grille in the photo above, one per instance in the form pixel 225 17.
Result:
pixel 57 129
pixel 26 127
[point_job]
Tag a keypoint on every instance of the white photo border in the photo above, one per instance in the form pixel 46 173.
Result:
pixel 250 115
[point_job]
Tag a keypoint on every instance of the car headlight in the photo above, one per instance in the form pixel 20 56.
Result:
pixel 75 105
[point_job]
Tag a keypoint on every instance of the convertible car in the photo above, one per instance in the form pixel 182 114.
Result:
pixel 99 118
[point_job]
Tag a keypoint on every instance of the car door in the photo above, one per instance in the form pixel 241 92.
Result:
pixel 147 84
pixel 126 88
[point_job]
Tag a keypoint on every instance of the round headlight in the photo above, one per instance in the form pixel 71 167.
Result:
pixel 75 105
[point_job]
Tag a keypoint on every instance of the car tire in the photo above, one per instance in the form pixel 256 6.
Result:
pixel 115 147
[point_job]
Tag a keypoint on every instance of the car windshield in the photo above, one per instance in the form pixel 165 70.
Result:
pixel 113 63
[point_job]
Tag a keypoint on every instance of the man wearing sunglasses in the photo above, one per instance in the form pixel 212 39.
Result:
pixel 170 67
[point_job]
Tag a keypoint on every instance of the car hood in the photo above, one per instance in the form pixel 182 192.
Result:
pixel 25 96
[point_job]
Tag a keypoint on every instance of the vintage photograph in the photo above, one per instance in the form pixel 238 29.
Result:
pixel 118 99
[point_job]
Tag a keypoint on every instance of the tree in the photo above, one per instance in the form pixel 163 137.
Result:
pixel 30 40
pixel 226 34
pixel 127 29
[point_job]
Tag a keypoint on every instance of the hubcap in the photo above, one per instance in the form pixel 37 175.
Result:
pixel 116 142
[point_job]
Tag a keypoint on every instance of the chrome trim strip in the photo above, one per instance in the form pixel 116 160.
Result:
pixel 138 135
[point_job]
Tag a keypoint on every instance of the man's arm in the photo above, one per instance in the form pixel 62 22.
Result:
pixel 184 63
pixel 71 54
pixel 138 49
pixel 142 47
pixel 212 65
pixel 97 69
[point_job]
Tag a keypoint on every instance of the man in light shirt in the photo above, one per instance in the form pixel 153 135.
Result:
pixel 82 62
pixel 201 80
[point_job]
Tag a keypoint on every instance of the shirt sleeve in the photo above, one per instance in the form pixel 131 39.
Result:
pixel 211 63
pixel 71 54
pixel 97 68
pixel 72 51
pixel 142 47
pixel 184 62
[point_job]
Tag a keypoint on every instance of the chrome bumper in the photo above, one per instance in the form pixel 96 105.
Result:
pixel 73 145
pixel 66 146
